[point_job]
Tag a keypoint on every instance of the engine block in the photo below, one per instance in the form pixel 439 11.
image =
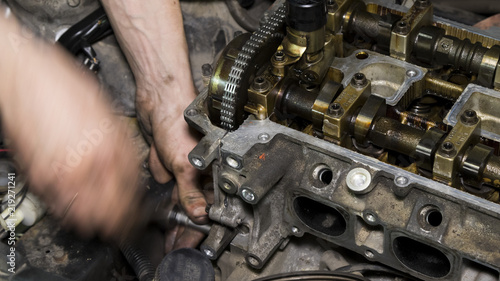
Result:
pixel 347 132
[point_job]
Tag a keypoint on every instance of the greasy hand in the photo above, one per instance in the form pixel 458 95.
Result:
pixel 152 38
pixel 178 237
pixel 171 141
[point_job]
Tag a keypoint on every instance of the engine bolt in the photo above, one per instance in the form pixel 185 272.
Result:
pixel 358 180
pixel 197 162
pixel 448 148
pixel 209 253
pixel 232 162
pixel 371 218
pixel 411 73
pixel 263 137
pixel 295 230
pixel 248 195
pixel 359 80
pixel 469 117
pixel 335 109
pixel 401 181
pixel 402 27
pixel 369 254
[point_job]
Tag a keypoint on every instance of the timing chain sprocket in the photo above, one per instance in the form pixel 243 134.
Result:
pixel 261 45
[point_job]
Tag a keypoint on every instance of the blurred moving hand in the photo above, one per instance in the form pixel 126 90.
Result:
pixel 78 156
pixel 152 38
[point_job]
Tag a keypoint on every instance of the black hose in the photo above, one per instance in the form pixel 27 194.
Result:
pixel 241 16
pixel 138 261
pixel 86 32
pixel 313 275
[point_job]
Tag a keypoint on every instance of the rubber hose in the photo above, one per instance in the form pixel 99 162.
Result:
pixel 241 16
pixel 139 262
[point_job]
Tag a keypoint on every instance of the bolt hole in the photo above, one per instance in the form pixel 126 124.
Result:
pixel 448 145
pixel 325 175
pixel 321 176
pixel 402 23
pixel 47 251
pixel 434 217
pixel 470 113
pixel 359 76
pixel 259 80
pixel 361 55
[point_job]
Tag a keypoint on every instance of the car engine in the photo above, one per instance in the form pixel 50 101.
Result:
pixel 353 136
pixel 346 139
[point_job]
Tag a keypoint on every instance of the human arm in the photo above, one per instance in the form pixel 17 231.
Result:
pixel 152 37
pixel 77 155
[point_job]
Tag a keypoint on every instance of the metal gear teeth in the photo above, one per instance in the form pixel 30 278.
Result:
pixel 256 41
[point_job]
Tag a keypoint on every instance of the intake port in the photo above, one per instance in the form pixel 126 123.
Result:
pixel 320 217
pixel 421 257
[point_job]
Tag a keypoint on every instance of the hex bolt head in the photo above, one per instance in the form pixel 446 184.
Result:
pixel 448 148
pixel 402 27
pixel 469 117
pixel 335 109
pixel 359 80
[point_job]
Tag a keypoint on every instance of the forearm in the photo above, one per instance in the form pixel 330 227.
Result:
pixel 151 35
pixel 42 84
pixel 77 155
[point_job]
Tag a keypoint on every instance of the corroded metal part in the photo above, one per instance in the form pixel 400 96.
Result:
pixel 354 151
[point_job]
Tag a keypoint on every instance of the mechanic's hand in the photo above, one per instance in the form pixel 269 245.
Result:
pixel 78 156
pixel 152 38
pixel 171 141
